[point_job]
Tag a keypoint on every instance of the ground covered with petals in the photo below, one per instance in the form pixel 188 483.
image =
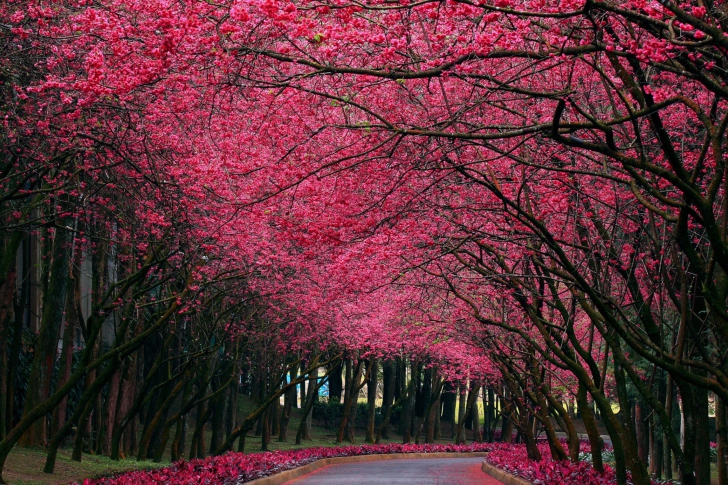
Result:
pixel 236 468
pixel 550 472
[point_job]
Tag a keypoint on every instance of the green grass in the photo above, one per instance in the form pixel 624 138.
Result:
pixel 24 466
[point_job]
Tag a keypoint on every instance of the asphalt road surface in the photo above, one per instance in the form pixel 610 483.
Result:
pixel 424 471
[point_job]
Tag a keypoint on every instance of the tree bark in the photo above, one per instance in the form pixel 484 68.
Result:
pixel 372 400
pixel 39 382
pixel 388 383
pixel 721 430
pixel 335 383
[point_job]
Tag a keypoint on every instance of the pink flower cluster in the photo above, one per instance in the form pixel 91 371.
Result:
pixel 547 471
pixel 236 468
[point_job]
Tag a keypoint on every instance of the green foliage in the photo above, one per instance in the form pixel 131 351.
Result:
pixel 607 457
pixel 328 414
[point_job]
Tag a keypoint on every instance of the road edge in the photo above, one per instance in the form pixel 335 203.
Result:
pixel 283 477
pixel 503 476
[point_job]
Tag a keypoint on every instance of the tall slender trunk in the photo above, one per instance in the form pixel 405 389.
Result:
pixel 388 382
pixel 475 416
pixel 372 400
pixel 64 370
pixel 7 288
pixel 642 430
pixel 335 383
pixel 462 411
pixel 432 409
pixel 288 398
pixel 509 417
pixel 489 411
pixel 39 382
pixel 721 430
pixel 702 437
pixel 8 275
pixel 409 404
pixel 314 387
pixel 109 415
pixel 592 429
pixel 16 342
pixel 348 417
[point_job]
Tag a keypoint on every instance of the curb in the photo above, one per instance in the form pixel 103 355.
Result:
pixel 502 476
pixel 283 477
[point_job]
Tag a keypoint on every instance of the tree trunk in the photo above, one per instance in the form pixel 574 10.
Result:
pixel 388 382
pixel 475 416
pixel 462 411
pixel 642 430
pixel 16 342
pixel 64 371
pixel 409 403
pixel 314 386
pixel 702 437
pixel 509 416
pixel 265 428
pixel 432 410
pixel 288 398
pixel 348 418
pixel 372 400
pixel 39 382
pixel 7 288
pixel 721 430
pixel 592 430
pixel 335 383
pixel 110 413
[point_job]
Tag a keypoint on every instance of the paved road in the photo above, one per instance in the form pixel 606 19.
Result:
pixel 424 471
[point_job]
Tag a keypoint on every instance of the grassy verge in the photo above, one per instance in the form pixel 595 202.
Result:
pixel 25 467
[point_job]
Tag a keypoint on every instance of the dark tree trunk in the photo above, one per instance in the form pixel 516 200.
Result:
pixel 16 342
pixel 232 407
pixel 702 436
pixel 288 401
pixel 335 383
pixel 467 401
pixel 489 408
pixel 39 382
pixel 110 413
pixel 275 419
pixel 407 416
pixel 449 401
pixel 592 430
pixel 475 417
pixel 265 435
pixel 6 306
pixel 721 430
pixel 314 386
pixel 423 383
pixel 348 417
pixel 388 387
pixel 640 419
pixel 64 371
pixel 432 409
pixel 509 416
pixel 400 377
pixel 372 400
